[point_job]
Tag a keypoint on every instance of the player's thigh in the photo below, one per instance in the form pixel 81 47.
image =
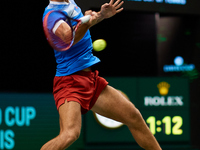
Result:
pixel 70 117
pixel 113 104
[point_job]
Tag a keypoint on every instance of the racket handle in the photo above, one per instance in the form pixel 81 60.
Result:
pixel 85 19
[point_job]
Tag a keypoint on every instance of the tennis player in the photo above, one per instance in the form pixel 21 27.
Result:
pixel 77 89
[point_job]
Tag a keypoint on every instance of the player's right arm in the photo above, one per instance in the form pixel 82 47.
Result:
pixel 62 30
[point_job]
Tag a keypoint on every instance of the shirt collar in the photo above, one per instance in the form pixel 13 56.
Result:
pixel 58 3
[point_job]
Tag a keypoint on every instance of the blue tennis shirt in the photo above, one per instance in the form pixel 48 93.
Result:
pixel 79 56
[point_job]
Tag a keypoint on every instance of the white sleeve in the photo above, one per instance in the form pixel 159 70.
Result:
pixel 58 23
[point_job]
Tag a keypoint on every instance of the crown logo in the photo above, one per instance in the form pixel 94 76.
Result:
pixel 163 88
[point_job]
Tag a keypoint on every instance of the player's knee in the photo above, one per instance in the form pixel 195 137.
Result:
pixel 70 136
pixel 134 117
pixel 73 135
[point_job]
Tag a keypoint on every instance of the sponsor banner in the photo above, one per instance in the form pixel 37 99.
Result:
pixel 28 120
pixel 163 93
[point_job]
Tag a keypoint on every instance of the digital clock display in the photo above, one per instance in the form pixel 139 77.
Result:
pixel 169 125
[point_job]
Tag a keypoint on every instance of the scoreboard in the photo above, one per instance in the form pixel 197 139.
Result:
pixel 163 103
pixel 27 120
pixel 166 110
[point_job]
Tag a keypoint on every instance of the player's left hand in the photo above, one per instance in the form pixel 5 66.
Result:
pixel 110 9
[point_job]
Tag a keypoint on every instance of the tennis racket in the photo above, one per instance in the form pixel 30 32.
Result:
pixel 73 24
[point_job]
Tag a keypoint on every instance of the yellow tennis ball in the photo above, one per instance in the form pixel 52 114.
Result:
pixel 99 45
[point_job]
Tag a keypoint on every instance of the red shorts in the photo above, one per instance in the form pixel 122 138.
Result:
pixel 82 87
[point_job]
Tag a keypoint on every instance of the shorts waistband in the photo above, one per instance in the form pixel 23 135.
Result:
pixel 86 73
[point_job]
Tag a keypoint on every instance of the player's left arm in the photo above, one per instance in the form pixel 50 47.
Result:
pixel 107 10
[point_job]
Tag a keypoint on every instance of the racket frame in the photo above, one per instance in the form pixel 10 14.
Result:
pixel 68 21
